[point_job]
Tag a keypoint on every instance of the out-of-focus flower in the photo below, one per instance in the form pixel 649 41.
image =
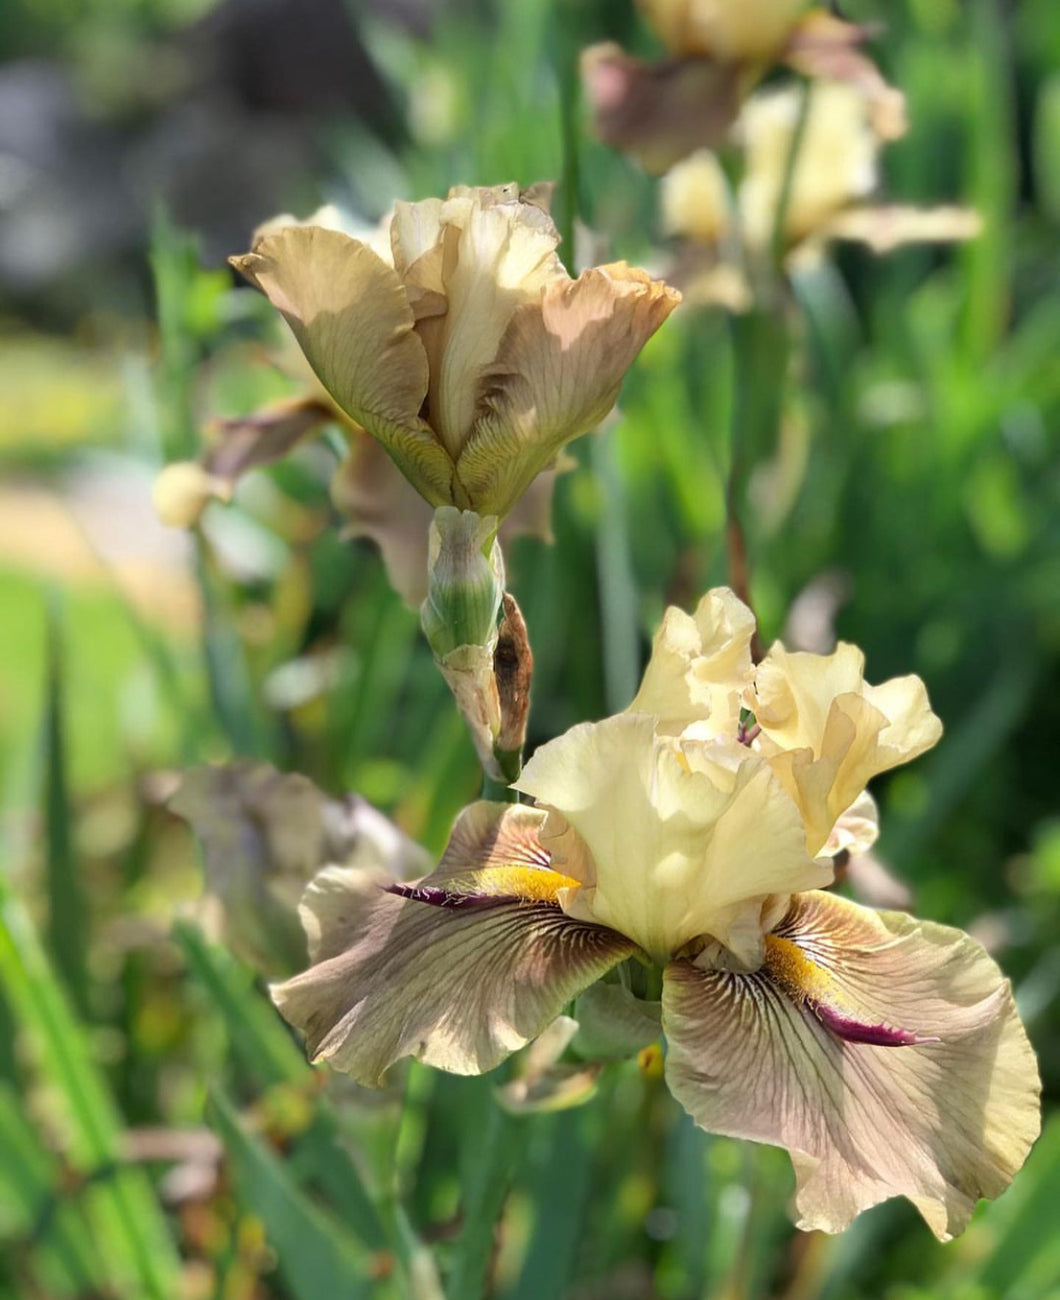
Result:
pixel 264 834
pixel 884 1053
pixel 466 349
pixel 661 112
pixel 835 169
pixel 753 31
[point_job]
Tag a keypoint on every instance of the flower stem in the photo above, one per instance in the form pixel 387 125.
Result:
pixel 483 1205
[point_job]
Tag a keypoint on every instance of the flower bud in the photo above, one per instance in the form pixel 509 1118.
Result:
pixel 465 581
pixel 183 490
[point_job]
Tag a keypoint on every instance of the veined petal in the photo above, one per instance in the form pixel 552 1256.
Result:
pixel 827 732
pixel 670 841
pixel 458 970
pixel 884 1053
pixel 557 374
pixel 699 665
pixel 836 164
pixel 352 318
pixel 264 833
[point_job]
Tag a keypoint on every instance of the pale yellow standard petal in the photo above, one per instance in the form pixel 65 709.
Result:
pixel 460 970
pixel 836 163
pixel 696 201
pixel 671 841
pixel 700 666
pixel 942 1122
pixel 557 374
pixel 857 828
pixel 352 318
pixel 827 732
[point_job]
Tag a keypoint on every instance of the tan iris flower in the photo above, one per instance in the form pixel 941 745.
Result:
pixel 718 51
pixel 464 347
pixel 883 1052
pixel 368 489
pixel 730 230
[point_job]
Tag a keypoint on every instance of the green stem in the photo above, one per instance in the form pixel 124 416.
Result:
pixel 483 1205
pixel 787 184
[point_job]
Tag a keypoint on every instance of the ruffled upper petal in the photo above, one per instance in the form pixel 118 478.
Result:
pixel 827 732
pixel 700 665
pixel 671 841
pixel 458 969
pixel 352 319
pixel 884 1053
pixel 498 253
pixel 557 373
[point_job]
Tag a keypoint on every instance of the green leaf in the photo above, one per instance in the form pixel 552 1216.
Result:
pixel 142 1261
pixel 268 1052
pixel 317 1257
pixel 67 931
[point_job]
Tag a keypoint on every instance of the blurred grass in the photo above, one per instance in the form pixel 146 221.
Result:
pixel 918 455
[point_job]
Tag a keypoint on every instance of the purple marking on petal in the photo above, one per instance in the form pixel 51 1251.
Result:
pixel 443 898
pixel 856 1031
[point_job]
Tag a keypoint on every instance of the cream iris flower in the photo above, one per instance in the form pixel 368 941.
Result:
pixel 463 347
pixel 718 51
pixel 883 1052
pixel 835 172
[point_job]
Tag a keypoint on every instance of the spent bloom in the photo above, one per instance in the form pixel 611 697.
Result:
pixel 461 344
pixel 695 832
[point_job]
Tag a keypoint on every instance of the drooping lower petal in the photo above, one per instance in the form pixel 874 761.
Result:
pixel 659 113
pixel 884 1053
pixel 557 373
pixel 242 443
pixel 352 318
pixel 459 969
pixel 263 834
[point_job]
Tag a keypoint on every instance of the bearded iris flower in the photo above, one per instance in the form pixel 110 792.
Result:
pixel 367 488
pixel 694 832
pixel 718 51
pixel 828 195
pixel 461 344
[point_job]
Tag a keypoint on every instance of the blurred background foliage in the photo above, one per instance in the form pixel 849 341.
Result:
pixel 160 1134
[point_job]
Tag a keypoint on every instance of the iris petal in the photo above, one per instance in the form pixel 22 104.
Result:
pixel 941 1122
pixel 457 985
